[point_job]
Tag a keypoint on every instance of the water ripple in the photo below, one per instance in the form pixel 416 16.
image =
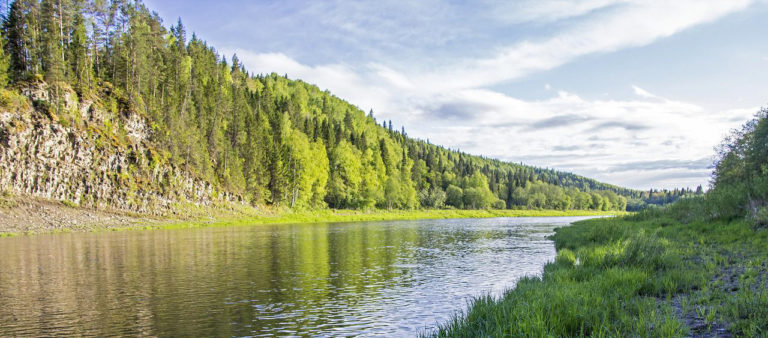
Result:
pixel 370 279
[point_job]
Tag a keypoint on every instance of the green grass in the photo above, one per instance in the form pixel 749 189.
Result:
pixel 330 216
pixel 645 275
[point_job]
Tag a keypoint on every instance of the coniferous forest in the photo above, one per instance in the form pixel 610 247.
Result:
pixel 265 137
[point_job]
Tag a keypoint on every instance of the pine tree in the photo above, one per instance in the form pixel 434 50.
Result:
pixel 78 56
pixel 15 37
pixel 5 64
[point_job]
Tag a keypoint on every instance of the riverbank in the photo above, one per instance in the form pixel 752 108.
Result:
pixel 642 275
pixel 20 216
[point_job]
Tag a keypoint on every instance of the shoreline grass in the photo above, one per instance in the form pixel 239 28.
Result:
pixel 325 216
pixel 641 275
pixel 341 216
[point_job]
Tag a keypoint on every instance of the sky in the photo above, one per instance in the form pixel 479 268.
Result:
pixel 636 93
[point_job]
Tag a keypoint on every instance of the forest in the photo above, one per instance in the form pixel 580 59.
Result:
pixel 270 139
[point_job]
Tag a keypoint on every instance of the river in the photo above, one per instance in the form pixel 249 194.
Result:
pixel 370 278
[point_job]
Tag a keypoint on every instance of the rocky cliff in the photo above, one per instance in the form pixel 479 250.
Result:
pixel 91 157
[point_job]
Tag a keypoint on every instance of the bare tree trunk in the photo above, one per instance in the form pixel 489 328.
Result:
pixel 61 30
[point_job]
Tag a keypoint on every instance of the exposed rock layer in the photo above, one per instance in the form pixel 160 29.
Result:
pixel 93 159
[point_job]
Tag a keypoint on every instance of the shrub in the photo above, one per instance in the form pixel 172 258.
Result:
pixel 687 210
pixel 759 217
pixel 499 204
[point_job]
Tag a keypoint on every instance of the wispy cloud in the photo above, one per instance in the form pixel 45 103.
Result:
pixel 558 121
pixel 626 26
pixel 699 164
pixel 644 93
pixel 546 11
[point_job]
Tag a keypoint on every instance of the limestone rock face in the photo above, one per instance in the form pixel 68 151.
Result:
pixel 90 165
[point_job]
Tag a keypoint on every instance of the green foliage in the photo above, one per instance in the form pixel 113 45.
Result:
pixel 454 196
pixel 346 178
pixel 5 63
pixel 477 194
pixel 740 184
pixel 12 100
pixel 432 198
pixel 760 217
pixel 308 170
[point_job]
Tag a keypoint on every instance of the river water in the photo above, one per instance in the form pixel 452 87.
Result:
pixel 371 278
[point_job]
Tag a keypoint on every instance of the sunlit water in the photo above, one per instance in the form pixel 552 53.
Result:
pixel 389 278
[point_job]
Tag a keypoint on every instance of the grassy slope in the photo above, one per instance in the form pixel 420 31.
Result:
pixel 636 276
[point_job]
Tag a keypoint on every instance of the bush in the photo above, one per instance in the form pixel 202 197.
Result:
pixel 759 217
pixel 727 201
pixel 687 210
pixel 12 100
pixel 499 204
pixel 454 196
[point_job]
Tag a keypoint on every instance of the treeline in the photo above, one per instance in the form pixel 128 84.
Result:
pixel 656 197
pixel 267 138
pixel 739 186
pixel 740 180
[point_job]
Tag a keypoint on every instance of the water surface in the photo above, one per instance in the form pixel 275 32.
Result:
pixel 388 278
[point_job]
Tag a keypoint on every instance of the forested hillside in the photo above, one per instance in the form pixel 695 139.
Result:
pixel 266 138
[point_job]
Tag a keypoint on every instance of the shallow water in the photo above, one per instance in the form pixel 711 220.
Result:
pixel 389 278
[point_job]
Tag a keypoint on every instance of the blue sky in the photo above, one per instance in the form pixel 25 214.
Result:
pixel 635 93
